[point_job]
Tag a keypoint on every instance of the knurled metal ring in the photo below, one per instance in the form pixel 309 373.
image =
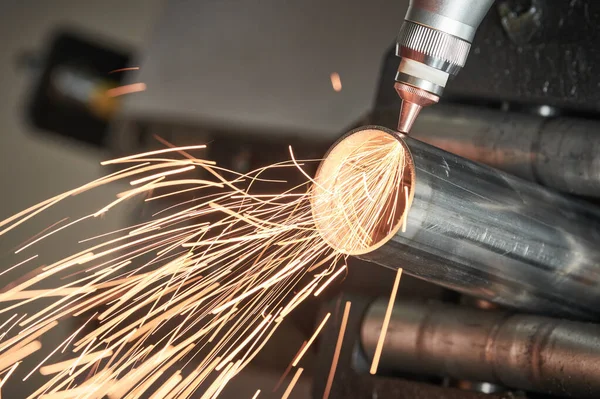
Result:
pixel 432 47
pixel 420 83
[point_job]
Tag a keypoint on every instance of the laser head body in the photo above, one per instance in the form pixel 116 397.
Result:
pixel 434 42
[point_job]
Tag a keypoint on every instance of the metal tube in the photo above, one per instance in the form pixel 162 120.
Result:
pixel 562 153
pixel 490 235
pixel 519 351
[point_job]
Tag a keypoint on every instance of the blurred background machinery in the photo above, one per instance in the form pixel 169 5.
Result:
pixel 252 79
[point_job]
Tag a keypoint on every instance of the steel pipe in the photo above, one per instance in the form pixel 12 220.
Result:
pixel 533 353
pixel 562 153
pixel 483 232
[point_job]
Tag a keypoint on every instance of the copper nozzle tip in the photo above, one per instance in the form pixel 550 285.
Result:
pixel 413 99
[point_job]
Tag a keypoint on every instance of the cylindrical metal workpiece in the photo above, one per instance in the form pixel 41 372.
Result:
pixel 533 353
pixel 487 234
pixel 562 153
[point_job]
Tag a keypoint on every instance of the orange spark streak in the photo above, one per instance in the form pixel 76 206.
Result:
pixel 167 387
pixel 268 196
pixel 11 357
pixel 405 216
pixel 162 174
pixel 288 368
pixel 311 340
pixel 124 69
pixel 50 233
pixel 386 321
pixel 336 353
pixel 9 373
pixel 41 232
pixel 336 81
pixel 126 89
pixel 367 188
pixel 256 394
pixel 228 376
pixel 244 343
pixel 283 273
pixel 194 384
pixel 8 320
pixel 38 294
pixel 292 384
pixel 58 367
pixel 329 280
pixel 234 214
pixel 18 264
pixel 144 154
pixel 20 340
pixel 304 173
pixel 259 253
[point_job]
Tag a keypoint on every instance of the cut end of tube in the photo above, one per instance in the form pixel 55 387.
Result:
pixel 358 199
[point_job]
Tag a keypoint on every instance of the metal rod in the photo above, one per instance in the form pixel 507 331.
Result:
pixel 488 234
pixel 533 353
pixel 562 153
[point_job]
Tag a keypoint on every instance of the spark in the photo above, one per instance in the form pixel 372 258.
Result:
pixel 58 367
pixel 329 280
pixel 256 394
pixel 386 321
pixel 126 89
pixel 302 170
pixel 405 216
pixel 162 174
pixel 145 154
pixel 336 353
pixel 311 340
pixel 50 233
pixel 288 368
pixel 12 369
pixel 11 357
pixel 336 81
pixel 43 231
pixel 206 280
pixel 167 386
pixel 18 264
pixel 136 68
pixel 290 387
pixel 367 188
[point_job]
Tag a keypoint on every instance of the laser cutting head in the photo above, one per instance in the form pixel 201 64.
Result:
pixel 434 42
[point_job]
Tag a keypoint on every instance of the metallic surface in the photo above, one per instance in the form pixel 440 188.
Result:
pixel 414 100
pixel 432 47
pixel 519 351
pixel 352 378
pixel 419 84
pixel 562 153
pixel 490 235
pixel 458 18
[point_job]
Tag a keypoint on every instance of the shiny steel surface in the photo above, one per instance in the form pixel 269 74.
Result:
pixel 518 351
pixel 459 18
pixel 562 153
pixel 419 84
pixel 432 47
pixel 490 235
